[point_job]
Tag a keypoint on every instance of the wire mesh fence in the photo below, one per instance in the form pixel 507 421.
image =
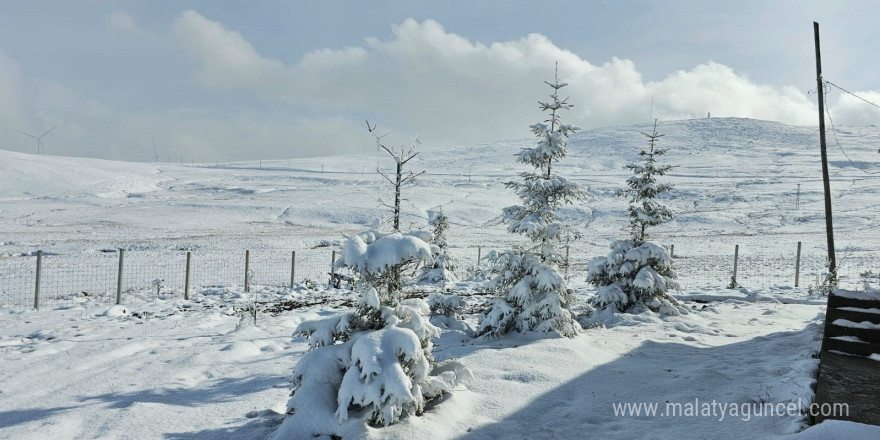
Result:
pixel 67 280
pixel 753 271
pixel 17 281
pixel 760 271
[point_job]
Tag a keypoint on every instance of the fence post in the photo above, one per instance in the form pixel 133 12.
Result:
pixel 797 265
pixel 119 277
pixel 247 267
pixel 479 251
pixel 332 268
pixel 37 288
pixel 292 268
pixel 735 260
pixel 671 251
pixel 188 271
pixel 566 263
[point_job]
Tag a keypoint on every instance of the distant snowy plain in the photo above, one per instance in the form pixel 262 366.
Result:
pixel 201 369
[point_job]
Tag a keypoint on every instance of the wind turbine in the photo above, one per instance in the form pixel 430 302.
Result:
pixel 39 138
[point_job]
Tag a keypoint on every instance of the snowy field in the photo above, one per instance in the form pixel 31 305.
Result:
pixel 162 367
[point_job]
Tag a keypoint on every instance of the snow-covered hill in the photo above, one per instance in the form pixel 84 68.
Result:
pixel 739 181
pixel 734 177
pixel 200 369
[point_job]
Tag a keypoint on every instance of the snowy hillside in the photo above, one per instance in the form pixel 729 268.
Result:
pixel 163 367
pixel 734 177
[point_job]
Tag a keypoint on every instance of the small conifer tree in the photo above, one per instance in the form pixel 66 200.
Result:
pixel 531 291
pixel 639 272
pixel 443 268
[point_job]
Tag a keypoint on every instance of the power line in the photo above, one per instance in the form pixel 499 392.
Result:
pixel 739 180
pixel 837 141
pixel 851 93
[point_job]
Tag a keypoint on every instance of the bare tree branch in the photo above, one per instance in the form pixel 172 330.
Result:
pixel 409 158
pixel 385 176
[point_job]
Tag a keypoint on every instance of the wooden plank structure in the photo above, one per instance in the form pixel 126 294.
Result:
pixel 847 374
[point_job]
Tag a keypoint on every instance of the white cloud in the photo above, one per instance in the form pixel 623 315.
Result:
pixel 716 88
pixel 122 22
pixel 422 80
pixel 87 127
pixel 853 111
pixel 450 89
pixel 228 60
pixel 13 109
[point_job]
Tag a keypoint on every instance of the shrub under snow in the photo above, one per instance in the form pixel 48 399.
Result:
pixel 445 305
pixel 374 362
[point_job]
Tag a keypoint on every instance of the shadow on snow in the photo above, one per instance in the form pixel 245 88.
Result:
pixel 19 416
pixel 742 373
pixel 221 390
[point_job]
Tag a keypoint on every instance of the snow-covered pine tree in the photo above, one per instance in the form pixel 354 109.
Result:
pixel 531 292
pixel 375 361
pixel 443 268
pixel 642 189
pixel 638 272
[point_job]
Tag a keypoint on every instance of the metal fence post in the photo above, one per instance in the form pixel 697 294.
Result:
pixel 119 277
pixel 247 267
pixel 735 260
pixel 188 271
pixel 37 288
pixel 797 266
pixel 292 268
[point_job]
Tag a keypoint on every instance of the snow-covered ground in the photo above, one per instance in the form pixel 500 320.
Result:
pixel 169 368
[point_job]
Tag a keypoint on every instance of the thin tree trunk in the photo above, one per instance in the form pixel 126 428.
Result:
pixel 397 197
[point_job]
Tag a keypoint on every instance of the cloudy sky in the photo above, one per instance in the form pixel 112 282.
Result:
pixel 231 80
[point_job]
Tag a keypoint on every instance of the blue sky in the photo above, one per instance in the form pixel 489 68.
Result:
pixel 221 80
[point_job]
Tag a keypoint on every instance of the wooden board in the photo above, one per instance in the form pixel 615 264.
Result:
pixel 835 301
pixel 852 315
pixel 870 336
pixel 852 348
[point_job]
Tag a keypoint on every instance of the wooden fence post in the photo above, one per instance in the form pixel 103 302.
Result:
pixel 797 266
pixel 247 268
pixel 333 269
pixel 479 256
pixel 188 271
pixel 37 285
pixel 671 251
pixel 292 268
pixel 735 260
pixel 119 277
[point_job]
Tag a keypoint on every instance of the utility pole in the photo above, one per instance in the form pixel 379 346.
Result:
pixel 820 91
